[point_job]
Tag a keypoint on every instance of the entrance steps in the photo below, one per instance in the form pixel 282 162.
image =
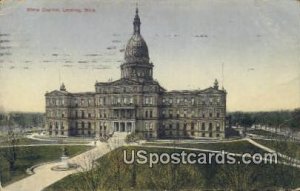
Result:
pixel 117 139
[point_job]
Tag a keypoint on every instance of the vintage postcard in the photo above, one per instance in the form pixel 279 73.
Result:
pixel 149 95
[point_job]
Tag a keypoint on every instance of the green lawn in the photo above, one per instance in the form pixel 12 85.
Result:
pixel 233 147
pixel 29 156
pixel 289 148
pixel 113 174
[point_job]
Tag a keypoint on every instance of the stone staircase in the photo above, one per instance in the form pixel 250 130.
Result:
pixel 117 139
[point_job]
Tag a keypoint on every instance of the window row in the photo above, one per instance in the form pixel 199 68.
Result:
pixel 56 125
pixel 83 125
pixel 192 126
pixel 190 113
pixel 179 134
pixel 126 89
pixel 192 100
pixel 148 113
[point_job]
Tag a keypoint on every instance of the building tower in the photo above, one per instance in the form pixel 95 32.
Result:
pixel 137 66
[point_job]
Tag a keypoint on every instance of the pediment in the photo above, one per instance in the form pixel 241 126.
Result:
pixel 212 90
pixel 57 93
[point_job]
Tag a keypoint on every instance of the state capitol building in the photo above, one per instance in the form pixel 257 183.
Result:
pixel 137 103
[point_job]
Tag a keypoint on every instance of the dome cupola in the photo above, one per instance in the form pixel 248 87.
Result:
pixel 136 50
pixel 137 66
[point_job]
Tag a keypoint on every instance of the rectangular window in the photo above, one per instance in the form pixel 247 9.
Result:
pixel 151 101
pixel 184 126
pixel 218 101
pixel 185 113
pixel 203 126
pixel 131 100
pixel 193 113
pixel 193 101
pixel 163 114
pixel 210 101
pixel 146 100
pixel 171 113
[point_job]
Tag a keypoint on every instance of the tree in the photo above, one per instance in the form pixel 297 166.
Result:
pixel 236 177
pixel 91 174
pixel 10 154
pixel 295 123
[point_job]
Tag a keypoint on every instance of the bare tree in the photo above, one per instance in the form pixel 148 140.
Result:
pixel 236 177
pixel 10 154
pixel 89 173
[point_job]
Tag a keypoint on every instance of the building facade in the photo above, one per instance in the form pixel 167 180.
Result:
pixel 137 103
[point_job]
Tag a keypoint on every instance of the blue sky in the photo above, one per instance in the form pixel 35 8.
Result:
pixel 257 42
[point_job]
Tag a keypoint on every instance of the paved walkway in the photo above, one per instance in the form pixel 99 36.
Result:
pixel 292 161
pixel 44 176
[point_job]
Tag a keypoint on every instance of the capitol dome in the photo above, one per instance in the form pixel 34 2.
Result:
pixel 136 49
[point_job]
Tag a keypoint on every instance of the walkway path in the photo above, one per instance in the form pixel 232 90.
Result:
pixel 44 176
pixel 290 159
pixel 292 162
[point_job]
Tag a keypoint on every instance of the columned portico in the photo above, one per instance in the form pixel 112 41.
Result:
pixel 124 126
